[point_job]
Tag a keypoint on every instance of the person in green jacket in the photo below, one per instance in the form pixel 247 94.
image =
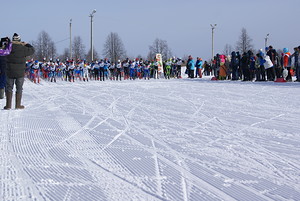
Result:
pixel 15 72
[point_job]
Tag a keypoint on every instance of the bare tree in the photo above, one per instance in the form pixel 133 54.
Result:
pixel 44 47
pixel 78 48
pixel 151 56
pixel 114 48
pixel 185 58
pixel 52 50
pixel 139 56
pixel 95 53
pixel 159 46
pixel 227 50
pixel 245 42
pixel 65 55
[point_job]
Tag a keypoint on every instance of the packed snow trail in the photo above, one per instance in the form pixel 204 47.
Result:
pixel 160 139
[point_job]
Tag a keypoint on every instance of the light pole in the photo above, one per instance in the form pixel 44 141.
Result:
pixel 213 26
pixel 70 38
pixel 266 41
pixel 92 49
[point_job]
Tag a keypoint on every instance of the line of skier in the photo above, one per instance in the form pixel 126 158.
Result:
pixel 268 66
pixel 101 70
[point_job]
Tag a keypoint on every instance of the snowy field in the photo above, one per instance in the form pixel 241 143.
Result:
pixel 152 140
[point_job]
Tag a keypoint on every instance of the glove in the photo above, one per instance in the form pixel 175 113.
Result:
pixel 8 40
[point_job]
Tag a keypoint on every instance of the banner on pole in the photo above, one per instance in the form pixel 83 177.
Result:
pixel 159 63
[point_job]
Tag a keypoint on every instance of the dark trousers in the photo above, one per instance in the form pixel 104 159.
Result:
pixel 246 73
pixel 297 71
pixel 192 73
pixel 289 77
pixel 101 74
pixel 118 74
pixel 96 71
pixel 235 74
pixel 2 79
pixel 271 74
pixel 261 73
pixel 278 71
pixel 10 82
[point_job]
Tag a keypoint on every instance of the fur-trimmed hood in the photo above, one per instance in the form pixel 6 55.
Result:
pixel 18 42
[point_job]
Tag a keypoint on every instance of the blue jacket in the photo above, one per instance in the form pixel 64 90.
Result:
pixel 191 64
pixel 261 61
pixel 199 64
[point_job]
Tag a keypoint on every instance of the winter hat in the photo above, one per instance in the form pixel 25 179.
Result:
pixel 16 37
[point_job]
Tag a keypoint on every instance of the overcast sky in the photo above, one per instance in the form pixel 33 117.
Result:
pixel 185 25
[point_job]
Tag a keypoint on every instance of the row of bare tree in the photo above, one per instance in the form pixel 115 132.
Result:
pixel 114 49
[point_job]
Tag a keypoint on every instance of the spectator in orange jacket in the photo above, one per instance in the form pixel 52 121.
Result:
pixel 287 63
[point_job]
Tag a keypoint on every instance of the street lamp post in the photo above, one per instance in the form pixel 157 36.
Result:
pixel 213 26
pixel 92 48
pixel 266 41
pixel 70 38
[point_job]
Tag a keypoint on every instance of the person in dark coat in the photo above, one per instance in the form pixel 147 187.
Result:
pixel 16 65
pixel 5 50
pixel 271 73
pixel 187 71
pixel 245 61
pixel 234 64
pixel 296 63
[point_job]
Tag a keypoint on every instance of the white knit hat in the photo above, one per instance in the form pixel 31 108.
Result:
pixel 16 37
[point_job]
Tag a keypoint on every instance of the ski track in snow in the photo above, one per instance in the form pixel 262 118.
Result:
pixel 152 140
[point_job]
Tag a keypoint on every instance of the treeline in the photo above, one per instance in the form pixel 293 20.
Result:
pixel 113 49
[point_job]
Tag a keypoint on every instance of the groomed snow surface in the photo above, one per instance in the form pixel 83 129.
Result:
pixel 177 139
